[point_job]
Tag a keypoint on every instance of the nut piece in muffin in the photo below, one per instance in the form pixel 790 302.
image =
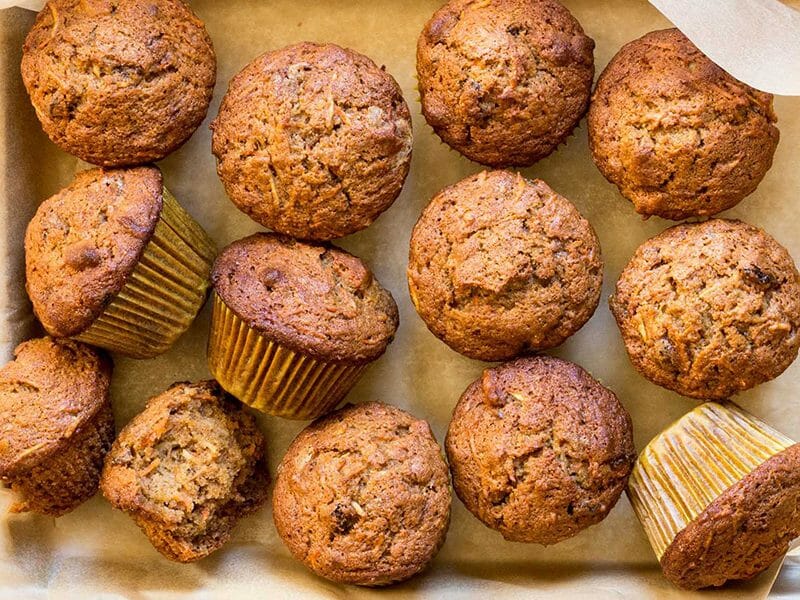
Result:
pixel 114 261
pixel 363 495
pixel 187 468
pixel 504 82
pixel 295 324
pixel 56 424
pixel 718 494
pixel 313 141
pixel 539 450
pixel 119 83
pixel 675 133
pixel 709 309
pixel 500 266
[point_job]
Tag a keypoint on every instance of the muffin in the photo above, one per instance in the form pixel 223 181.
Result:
pixel 363 496
pixel 313 141
pixel 187 468
pixel 500 266
pixel 709 309
pixel 119 83
pixel 114 261
pixel 504 82
pixel 675 133
pixel 294 324
pixel 539 450
pixel 718 494
pixel 55 424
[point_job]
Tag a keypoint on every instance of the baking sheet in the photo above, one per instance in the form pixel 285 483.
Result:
pixel 97 550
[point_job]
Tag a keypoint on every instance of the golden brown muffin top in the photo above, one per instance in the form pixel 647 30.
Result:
pixel 187 468
pixel 363 495
pixel 84 242
pixel 313 140
pixel 500 265
pixel 677 134
pixel 539 450
pixel 315 299
pixel 119 82
pixel 47 393
pixel 504 82
pixel 709 309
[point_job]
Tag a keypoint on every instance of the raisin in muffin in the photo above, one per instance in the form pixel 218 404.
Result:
pixel 675 133
pixel 313 140
pixel 187 468
pixel 119 83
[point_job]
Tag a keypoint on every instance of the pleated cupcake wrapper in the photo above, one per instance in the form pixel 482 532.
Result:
pixel 163 294
pixel 270 377
pixel 690 464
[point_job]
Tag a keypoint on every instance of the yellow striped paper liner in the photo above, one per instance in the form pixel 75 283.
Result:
pixel 163 294
pixel 270 377
pixel 691 463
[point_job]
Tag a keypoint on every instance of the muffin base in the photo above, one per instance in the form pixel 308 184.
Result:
pixel 164 293
pixel 270 377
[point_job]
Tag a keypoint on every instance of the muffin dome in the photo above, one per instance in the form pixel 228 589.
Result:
pixel 313 141
pixel 119 83
pixel 709 309
pixel 504 82
pixel 500 265
pixel 675 133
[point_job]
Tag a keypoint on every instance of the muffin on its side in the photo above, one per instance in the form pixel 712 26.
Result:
pixel 709 309
pixel 313 141
pixel 56 424
pixel 539 450
pixel 294 324
pixel 114 261
pixel 187 468
pixel 363 496
pixel 718 494
pixel 500 266
pixel 119 83
pixel 504 82
pixel 675 133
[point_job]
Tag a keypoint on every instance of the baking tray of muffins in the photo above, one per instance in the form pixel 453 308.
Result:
pixel 325 299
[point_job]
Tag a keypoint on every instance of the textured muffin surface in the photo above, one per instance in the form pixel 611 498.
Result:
pixel 743 531
pixel 539 450
pixel 122 82
pixel 709 309
pixel 677 134
pixel 84 242
pixel 315 299
pixel 504 82
pixel 363 496
pixel 500 265
pixel 313 141
pixel 187 469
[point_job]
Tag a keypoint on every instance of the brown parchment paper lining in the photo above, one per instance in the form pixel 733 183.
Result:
pixel 96 549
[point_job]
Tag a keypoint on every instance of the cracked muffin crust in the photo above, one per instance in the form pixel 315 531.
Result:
pixel 363 495
pixel 313 140
pixel 187 468
pixel 675 133
pixel 504 82
pixel 84 243
pixel 500 265
pixel 314 298
pixel 119 82
pixel 539 450
pixel 709 309
pixel 56 424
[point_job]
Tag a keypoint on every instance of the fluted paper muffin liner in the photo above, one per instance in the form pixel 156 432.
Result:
pixel 163 294
pixel 271 377
pixel 690 464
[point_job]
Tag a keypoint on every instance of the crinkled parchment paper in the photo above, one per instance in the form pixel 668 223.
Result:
pixel 97 550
